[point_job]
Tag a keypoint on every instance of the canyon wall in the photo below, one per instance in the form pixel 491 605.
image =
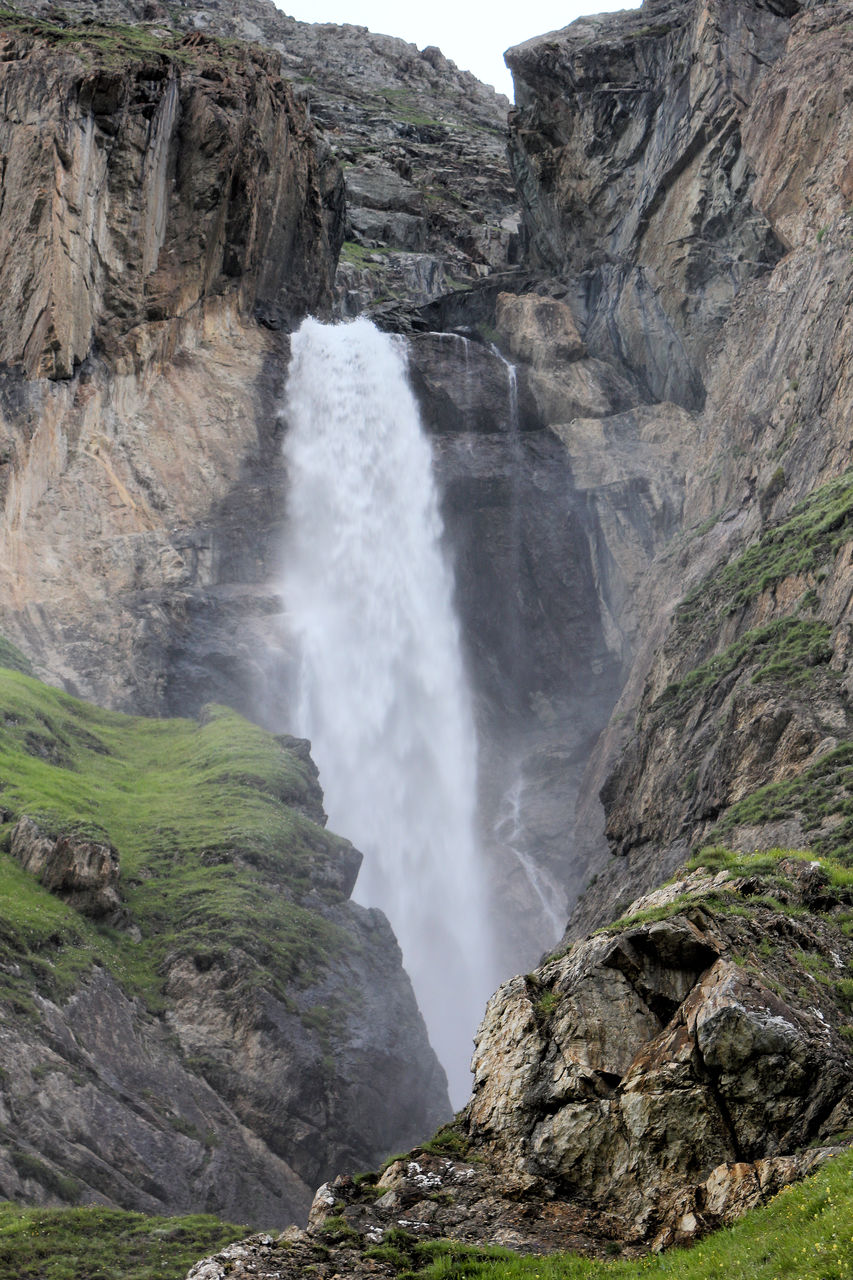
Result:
pixel 167 211
pixel 640 410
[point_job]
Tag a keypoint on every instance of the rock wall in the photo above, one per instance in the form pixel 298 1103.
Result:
pixel 626 145
pixel 179 197
pixel 707 194
pixel 135 187
pixel 430 204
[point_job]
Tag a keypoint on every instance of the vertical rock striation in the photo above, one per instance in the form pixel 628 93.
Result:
pixel 139 181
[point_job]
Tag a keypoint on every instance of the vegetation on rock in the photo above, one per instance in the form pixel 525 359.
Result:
pixel 205 817
pixel 114 43
pixel 804 1234
pixel 802 544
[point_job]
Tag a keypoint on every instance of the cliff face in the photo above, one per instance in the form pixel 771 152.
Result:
pixel 430 203
pixel 195 1015
pixel 680 331
pixel 627 148
pixel 696 226
pixel 162 196
pixel 141 179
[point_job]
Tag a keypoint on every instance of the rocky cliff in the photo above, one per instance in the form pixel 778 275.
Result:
pixel 165 203
pixel 195 1016
pixel 746 621
pixel 430 203
pixel 642 431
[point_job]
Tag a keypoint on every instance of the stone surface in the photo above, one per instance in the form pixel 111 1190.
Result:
pixel 83 872
pixel 652 1083
pixel 538 331
pixel 237 1083
pixel 430 204
pixel 602 192
pixel 132 190
pixel 626 145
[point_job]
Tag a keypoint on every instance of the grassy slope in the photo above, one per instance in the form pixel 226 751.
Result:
pixel 104 1244
pixel 794 649
pixel 804 543
pixel 205 820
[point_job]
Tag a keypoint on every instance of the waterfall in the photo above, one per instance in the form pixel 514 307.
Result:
pixel 382 690
pixel 509 830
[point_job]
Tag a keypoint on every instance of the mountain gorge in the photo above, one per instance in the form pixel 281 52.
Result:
pixel 627 317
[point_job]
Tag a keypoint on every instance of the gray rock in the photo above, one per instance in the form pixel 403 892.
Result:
pixel 81 871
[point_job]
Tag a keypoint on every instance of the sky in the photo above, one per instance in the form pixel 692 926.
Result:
pixel 473 35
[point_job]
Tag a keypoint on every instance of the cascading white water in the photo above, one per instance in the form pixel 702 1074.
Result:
pixel 383 695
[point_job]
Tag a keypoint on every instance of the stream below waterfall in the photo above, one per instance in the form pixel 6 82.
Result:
pixel 382 692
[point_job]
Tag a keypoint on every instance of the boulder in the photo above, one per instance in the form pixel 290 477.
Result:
pixel 81 871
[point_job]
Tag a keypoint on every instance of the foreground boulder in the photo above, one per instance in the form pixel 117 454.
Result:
pixel 83 872
pixel 651 1084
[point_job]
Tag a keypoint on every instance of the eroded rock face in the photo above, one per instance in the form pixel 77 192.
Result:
pixel 769 347
pixel 538 331
pixel 84 873
pixel 133 190
pixel 626 146
pixel 430 203
pixel 652 1083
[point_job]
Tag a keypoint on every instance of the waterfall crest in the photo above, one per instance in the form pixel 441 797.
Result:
pixel 382 690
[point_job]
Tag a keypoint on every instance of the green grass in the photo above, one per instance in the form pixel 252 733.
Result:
pixel 215 855
pixel 404 106
pixel 12 658
pixel 805 1233
pixel 790 650
pixel 802 544
pixel 104 1244
pixel 358 256
pixel 824 790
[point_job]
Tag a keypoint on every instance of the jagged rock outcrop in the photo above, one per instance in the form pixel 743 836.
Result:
pixel 83 872
pixel 653 1082
pixel 630 1070
pixel 430 204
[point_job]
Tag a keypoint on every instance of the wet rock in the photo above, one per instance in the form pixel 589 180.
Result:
pixel 539 331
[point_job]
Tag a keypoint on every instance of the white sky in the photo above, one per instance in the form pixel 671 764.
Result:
pixel 474 35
